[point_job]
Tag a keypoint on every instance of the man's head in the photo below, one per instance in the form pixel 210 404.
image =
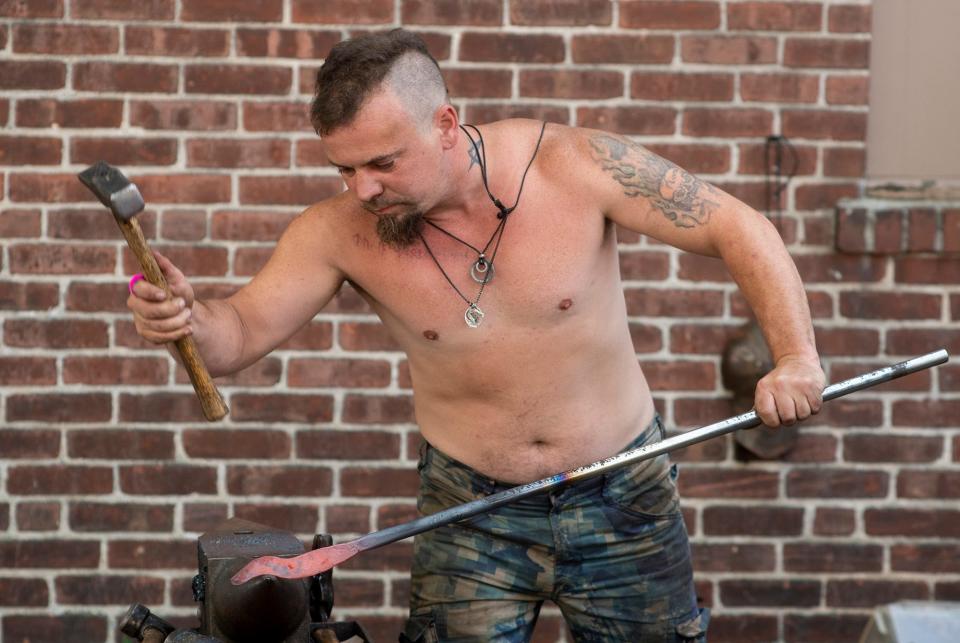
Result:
pixel 382 110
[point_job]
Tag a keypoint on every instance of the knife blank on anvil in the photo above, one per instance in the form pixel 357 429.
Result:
pixel 320 560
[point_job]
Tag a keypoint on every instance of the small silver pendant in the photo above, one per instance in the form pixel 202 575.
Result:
pixel 482 271
pixel 473 316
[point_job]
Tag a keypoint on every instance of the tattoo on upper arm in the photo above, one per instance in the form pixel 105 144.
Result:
pixel 679 195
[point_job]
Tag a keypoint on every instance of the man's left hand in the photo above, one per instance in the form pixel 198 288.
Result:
pixel 792 391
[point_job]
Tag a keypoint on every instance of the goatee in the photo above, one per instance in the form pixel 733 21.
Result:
pixel 400 231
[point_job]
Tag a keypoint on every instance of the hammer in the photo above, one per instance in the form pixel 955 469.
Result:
pixel 123 198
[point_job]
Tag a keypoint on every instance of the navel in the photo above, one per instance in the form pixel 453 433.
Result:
pixel 565 304
pixel 432 335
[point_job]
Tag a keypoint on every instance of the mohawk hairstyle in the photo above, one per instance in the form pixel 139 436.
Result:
pixel 356 68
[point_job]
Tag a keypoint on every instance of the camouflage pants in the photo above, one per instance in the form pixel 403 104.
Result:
pixel 610 551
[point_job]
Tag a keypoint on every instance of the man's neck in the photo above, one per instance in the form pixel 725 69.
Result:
pixel 467 197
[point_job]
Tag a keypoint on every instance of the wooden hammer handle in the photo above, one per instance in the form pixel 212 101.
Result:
pixel 214 408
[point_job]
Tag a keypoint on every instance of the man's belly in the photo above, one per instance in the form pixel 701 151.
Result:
pixel 515 448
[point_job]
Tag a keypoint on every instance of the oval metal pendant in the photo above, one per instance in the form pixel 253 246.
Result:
pixel 473 316
pixel 482 271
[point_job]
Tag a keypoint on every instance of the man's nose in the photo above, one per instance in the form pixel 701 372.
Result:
pixel 366 187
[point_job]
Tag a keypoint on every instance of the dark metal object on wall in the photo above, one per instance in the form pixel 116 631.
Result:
pixel 746 359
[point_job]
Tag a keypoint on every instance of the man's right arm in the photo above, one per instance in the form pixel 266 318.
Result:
pixel 295 284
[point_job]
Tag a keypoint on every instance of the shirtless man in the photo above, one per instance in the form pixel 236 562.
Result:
pixel 515 327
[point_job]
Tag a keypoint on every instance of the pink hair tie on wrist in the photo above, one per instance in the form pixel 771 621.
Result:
pixel 134 279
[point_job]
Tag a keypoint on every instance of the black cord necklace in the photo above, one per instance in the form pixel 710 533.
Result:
pixel 482 269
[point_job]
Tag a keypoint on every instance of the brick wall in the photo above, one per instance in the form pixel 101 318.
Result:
pixel 108 472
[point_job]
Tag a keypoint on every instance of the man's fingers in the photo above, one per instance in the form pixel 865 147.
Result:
pixel 151 310
pixel 766 408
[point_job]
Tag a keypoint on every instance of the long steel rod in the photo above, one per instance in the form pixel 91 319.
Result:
pixel 320 560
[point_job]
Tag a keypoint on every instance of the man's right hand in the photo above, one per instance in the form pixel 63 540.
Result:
pixel 158 318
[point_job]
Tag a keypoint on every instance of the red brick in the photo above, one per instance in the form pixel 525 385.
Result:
pixel 927 484
pixel 824 483
pixel 774 16
pixel 184 115
pixel 887 305
pixel 847 90
pixel 287 190
pixel 844 161
pixel 923 270
pixel 830 53
pixel 833 521
pixel 646 339
pixel 107 590
pixel 946 591
pixel 32 9
pixel 561 12
pixel 338 373
pixel 781 88
pixel 59 333
pixel 313 336
pixel 237 79
pixel 286 43
pixel 638 50
pixel 725 483
pixel 571 84
pixel 951 231
pixel 122 9
pixel 916 523
pixel 22 592
pixel 754 160
pixel 38 516
pixel 275 116
pixel 744 627
pixel 662 14
pixel 344 518
pixel 681 87
pixel 61 259
pixel 152 554
pixel 60 479
pixel 395 514
pixel 238 153
pixel 832 557
pixel 250 261
pixel 69 113
pixel 62 627
pixel 378 409
pixel 701 268
pixel 699 158
pixel 480 83
pixel 295 518
pixel 728 50
pixel 923 229
pixel 849 18
pixel 49 38
pixel 915 341
pixel 176 42
pixel 121 444
pixel 520 48
pixel 727 122
pixel 249 225
pixel 866 593
pixel 629 120
pixel 363 336
pixel 59 407
pixel 824 628
pixel 280 480
pixel 770 593
pixel 32 150
pixel 281 408
pixel 310 153
pixel 134 151
pixel 20 224
pixel 815 196
pixel 189 188
pixel 167 479
pixel 159 407
pixel 32 74
pixel 125 77
pixel 29 443
pixel 752 521
pixel 701 339
pixel 644 265
pixel 204 516
pixel 378 482
pixel 832 342
pixel 932 558
pixel 231 11
pixel 114 517
pixel 28 371
pixel 348 445
pixel 487 13
pixel 28 296
pixel 926 413
pixel 226 444
pixel 825 124
pixel 184 225
pixel 754 194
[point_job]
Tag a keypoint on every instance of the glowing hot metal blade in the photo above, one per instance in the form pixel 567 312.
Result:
pixel 320 560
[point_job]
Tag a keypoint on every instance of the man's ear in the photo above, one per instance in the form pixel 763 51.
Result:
pixel 447 123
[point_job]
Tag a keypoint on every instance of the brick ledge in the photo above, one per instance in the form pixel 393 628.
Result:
pixel 893 226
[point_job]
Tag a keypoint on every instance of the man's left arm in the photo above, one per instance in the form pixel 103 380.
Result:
pixel 650 195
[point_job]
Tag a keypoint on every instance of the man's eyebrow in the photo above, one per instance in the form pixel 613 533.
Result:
pixel 376 160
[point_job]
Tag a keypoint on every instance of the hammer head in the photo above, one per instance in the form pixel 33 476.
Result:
pixel 113 189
